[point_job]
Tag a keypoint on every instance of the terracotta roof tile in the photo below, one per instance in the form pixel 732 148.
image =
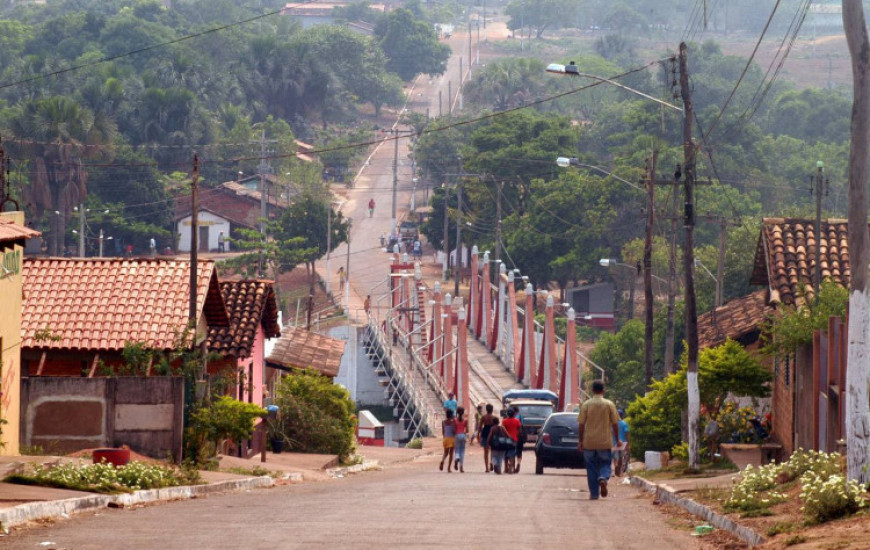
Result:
pixel 786 252
pixel 733 320
pixel 301 349
pixel 250 304
pixel 11 231
pixel 97 303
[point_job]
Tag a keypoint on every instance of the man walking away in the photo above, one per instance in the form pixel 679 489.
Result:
pixel 371 207
pixel 221 242
pixel 152 246
pixel 599 426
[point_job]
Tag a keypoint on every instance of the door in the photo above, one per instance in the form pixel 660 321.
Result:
pixel 203 239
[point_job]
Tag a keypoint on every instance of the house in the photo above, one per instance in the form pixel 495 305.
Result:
pixel 13 235
pixel 808 394
pixel 253 313
pixel 299 349
pixel 740 320
pixel 228 207
pixel 79 313
pixel 593 305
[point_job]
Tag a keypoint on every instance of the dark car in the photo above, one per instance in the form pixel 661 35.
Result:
pixel 557 446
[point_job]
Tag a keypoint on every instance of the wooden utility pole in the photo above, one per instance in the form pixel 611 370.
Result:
pixel 647 270
pixel 445 247
pixel 689 257
pixel 818 191
pixel 457 264
pixel 672 277
pixel 194 241
pixel 858 362
pixel 498 187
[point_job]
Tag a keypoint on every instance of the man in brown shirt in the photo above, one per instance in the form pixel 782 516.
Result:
pixel 599 427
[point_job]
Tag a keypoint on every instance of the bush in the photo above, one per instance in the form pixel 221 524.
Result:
pixel 104 477
pixel 830 497
pixel 224 419
pixel 317 416
pixel 754 492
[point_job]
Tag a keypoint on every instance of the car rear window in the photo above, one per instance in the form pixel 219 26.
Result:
pixel 539 411
pixel 568 420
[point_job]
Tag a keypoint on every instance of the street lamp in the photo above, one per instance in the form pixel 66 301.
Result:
pixel 573 70
pixel 565 162
pixel 102 238
pixel 715 280
pixel 613 262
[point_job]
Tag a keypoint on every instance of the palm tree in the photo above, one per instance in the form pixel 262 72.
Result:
pixel 60 135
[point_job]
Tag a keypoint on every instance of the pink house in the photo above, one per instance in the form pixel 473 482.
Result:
pixel 253 313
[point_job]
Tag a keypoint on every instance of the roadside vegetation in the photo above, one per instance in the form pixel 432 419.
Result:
pixel 105 477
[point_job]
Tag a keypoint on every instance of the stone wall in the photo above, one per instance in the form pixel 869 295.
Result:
pixel 69 414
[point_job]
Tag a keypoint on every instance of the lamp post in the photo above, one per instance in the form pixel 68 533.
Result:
pixel 565 162
pixel 102 238
pixel 573 70
pixel 716 280
pixel 612 262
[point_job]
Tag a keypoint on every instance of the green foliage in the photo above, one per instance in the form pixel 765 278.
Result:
pixel 728 368
pixel 224 419
pixel 105 477
pixel 621 355
pixel 538 14
pixel 410 45
pixel 792 327
pixel 415 443
pixel 831 497
pixel 317 415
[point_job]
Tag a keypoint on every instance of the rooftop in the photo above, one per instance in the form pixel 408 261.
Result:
pixel 302 349
pixel 249 304
pixel 735 319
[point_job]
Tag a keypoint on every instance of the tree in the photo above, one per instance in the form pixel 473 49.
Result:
pixel 411 45
pixel 621 357
pixel 538 14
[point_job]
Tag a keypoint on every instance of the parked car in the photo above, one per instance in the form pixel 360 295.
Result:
pixel 534 413
pixel 557 446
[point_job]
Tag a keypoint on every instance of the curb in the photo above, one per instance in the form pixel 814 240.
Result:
pixel 32 511
pixel 355 469
pixel 665 494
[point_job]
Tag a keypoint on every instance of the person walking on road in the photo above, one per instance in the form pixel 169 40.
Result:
pixel 522 438
pixel 487 421
pixel 371 207
pixel 448 429
pixel 478 414
pixel 599 426
pixel 512 426
pixel 450 403
pixel 620 446
pixel 461 437
pixel 497 435
pixel 367 305
pixel 342 278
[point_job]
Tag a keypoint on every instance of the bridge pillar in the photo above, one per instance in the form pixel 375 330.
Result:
pixel 512 339
pixel 527 371
pixel 496 338
pixel 486 302
pixel 547 368
pixel 435 344
pixel 462 393
pixel 447 362
pixel 569 389
pixel 473 290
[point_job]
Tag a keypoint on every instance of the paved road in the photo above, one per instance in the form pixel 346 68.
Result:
pixel 409 505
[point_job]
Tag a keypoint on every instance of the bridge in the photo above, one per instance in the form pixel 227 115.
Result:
pixel 425 343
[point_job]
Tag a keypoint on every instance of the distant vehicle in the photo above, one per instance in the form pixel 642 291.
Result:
pixel 546 395
pixel 408 230
pixel 557 446
pixel 534 412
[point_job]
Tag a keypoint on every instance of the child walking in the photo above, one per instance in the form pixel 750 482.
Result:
pixel 461 438
pixel 448 428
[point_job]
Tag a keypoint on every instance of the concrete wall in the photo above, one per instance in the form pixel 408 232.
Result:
pixel 69 414
pixel 10 340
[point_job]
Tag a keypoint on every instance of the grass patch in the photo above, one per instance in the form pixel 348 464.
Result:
pixel 105 478
pixel 780 528
pixel 678 470
pixel 795 539
pixel 255 471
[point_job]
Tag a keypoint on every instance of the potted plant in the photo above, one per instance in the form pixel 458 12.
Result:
pixel 275 429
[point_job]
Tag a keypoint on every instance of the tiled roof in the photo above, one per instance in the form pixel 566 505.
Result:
pixel 249 305
pixel 785 256
pixel 231 201
pixel 302 349
pixel 733 320
pixel 99 304
pixel 11 231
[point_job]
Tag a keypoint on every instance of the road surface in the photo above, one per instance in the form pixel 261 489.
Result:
pixel 410 505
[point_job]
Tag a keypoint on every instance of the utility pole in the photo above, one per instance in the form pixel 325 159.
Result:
pixel 720 265
pixel 458 263
pixel 101 242
pixel 449 98
pixel 672 278
pixel 394 221
pixel 263 168
pixel 497 221
pixel 689 257
pixel 347 271
pixel 82 230
pixel 446 243
pixel 459 93
pixel 647 271
pixel 194 241
pixel 328 244
pixel 440 110
pixel 817 191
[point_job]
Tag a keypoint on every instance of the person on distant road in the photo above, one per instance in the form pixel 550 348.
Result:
pixel 450 403
pixel 487 421
pixel 367 305
pixel 448 429
pixel 342 278
pixel 620 445
pixel 371 207
pixel 598 419
pixel 498 454
pixel 512 426
pixel 461 438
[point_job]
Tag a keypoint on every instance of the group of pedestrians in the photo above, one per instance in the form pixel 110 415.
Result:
pixel 502 441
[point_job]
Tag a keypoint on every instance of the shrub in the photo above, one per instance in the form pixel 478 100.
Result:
pixel 415 443
pixel 819 462
pixel 680 451
pixel 317 416
pixel 830 497
pixel 224 419
pixel 754 491
pixel 104 477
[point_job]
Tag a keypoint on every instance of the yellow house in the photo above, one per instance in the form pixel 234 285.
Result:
pixel 13 234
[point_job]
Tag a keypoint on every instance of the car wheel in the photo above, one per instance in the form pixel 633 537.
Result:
pixel 539 467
